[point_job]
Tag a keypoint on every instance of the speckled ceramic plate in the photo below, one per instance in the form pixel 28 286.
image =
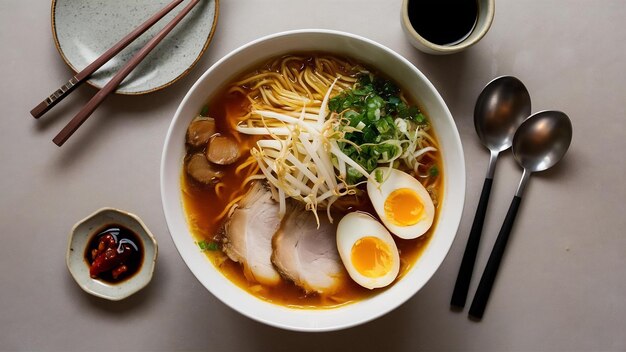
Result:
pixel 84 29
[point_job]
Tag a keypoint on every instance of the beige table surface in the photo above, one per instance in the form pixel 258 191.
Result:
pixel 563 279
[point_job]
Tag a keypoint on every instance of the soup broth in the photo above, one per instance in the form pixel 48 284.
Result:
pixel 205 209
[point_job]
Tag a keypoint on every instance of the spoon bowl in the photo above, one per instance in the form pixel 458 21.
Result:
pixel 500 108
pixel 542 140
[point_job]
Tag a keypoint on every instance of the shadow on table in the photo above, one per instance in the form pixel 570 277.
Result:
pixel 139 301
pixel 398 330
pixel 447 72
pixel 388 333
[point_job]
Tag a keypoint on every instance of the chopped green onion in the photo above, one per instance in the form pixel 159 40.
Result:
pixel 208 245
pixel 371 108
pixel 352 175
pixel 420 118
pixel 433 171
pixel 205 111
pixel 378 175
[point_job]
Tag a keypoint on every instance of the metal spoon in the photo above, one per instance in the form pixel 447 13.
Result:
pixel 500 108
pixel 539 143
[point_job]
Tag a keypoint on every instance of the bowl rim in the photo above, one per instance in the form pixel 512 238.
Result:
pixel 171 218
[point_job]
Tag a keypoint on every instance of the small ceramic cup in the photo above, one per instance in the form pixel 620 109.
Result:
pixel 486 11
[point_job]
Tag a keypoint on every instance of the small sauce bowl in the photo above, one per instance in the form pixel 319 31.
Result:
pixel 484 19
pixel 81 236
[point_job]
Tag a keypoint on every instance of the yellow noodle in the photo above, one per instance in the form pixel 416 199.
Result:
pixel 253 171
pixel 227 208
pixel 254 177
pixel 245 164
pixel 263 83
pixel 237 89
pixel 256 77
pixel 218 188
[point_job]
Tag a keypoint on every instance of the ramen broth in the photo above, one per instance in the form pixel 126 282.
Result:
pixel 203 207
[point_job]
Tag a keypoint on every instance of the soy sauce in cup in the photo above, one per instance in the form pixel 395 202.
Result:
pixel 443 22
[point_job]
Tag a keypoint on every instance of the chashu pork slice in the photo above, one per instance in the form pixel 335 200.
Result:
pixel 307 255
pixel 248 234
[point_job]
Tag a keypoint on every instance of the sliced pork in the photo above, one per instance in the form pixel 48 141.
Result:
pixel 248 234
pixel 307 255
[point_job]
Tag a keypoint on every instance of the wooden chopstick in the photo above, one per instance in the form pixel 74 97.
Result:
pixel 82 76
pixel 89 108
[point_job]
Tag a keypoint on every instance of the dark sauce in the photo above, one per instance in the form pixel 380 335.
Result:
pixel 114 254
pixel 443 22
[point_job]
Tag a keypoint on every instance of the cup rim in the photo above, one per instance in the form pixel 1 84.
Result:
pixel 445 48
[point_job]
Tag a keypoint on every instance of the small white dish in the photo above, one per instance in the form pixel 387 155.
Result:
pixel 83 30
pixel 79 239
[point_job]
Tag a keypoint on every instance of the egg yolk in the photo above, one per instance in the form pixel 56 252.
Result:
pixel 371 257
pixel 403 207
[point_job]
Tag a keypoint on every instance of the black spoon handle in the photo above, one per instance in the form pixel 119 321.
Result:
pixel 459 295
pixel 479 303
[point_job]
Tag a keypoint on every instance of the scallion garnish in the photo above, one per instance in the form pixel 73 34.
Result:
pixel 208 245
pixel 373 108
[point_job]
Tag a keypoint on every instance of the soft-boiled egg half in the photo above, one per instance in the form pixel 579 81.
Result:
pixel 402 203
pixel 367 250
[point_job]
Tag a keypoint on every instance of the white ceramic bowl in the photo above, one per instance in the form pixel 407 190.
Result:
pixel 370 53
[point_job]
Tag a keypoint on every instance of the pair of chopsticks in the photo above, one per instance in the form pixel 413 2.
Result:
pixel 82 76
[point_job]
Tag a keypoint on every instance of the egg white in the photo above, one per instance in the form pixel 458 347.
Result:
pixel 355 226
pixel 378 193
